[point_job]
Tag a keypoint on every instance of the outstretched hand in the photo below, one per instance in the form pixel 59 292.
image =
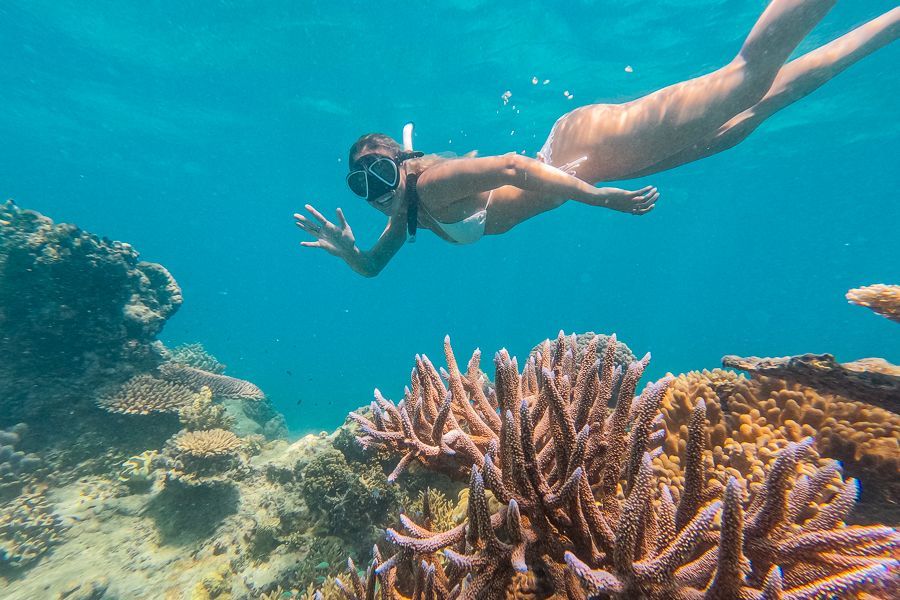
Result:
pixel 638 202
pixel 334 239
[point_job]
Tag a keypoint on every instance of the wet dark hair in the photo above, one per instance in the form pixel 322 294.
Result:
pixel 373 141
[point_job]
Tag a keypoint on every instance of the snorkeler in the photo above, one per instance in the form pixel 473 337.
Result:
pixel 462 199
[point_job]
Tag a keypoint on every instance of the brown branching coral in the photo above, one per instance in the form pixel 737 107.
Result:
pixel 581 507
pixel 201 413
pixel 881 298
pixel 145 394
pixel 207 444
pixel 751 419
pixel 202 458
pixel 872 380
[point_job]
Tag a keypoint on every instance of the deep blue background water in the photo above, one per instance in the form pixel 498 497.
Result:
pixel 193 130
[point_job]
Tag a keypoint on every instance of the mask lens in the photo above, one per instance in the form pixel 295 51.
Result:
pixel 357 183
pixel 386 170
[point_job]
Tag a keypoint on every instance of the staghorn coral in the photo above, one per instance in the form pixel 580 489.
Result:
pixel 74 305
pixel 195 355
pixel 582 509
pixel 751 419
pixel 28 529
pixel 881 298
pixel 222 386
pixel 17 469
pixel 872 380
pixel 145 394
pixel 201 413
pixel 205 458
pixel 580 342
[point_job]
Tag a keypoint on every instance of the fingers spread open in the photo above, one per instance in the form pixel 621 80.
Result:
pixel 317 215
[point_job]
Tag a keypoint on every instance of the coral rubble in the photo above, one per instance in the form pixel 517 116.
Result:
pixel 871 380
pixel 581 505
pixel 881 298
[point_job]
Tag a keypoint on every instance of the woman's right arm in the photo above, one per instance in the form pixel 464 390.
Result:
pixel 340 241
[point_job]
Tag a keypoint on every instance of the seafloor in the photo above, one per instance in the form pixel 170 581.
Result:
pixel 129 470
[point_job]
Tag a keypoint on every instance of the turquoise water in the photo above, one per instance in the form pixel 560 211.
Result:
pixel 194 130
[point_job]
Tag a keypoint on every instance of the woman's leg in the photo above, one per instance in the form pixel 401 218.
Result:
pixel 795 80
pixel 622 139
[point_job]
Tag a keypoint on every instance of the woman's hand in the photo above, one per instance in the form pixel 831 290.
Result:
pixel 638 202
pixel 334 239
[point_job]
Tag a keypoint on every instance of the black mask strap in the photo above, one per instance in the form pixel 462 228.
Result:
pixel 406 155
pixel 412 208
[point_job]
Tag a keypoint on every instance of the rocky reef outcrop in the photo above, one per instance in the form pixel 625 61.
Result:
pixel 74 307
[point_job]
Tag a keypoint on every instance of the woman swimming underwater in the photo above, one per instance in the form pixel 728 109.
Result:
pixel 462 199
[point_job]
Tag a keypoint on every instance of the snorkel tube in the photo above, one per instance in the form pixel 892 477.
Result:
pixel 412 210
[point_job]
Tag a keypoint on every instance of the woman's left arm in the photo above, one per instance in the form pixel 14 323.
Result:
pixel 455 179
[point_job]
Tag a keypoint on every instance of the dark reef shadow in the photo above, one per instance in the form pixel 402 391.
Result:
pixel 184 515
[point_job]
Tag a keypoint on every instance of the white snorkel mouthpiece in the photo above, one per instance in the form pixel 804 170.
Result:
pixel 408 131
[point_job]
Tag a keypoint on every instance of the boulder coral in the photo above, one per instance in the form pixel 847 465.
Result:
pixel 567 450
pixel 750 420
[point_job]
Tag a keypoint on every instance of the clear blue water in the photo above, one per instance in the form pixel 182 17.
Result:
pixel 194 130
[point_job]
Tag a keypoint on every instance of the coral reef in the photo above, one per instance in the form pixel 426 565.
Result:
pixel 195 355
pixel 74 305
pixel 871 380
pixel 751 419
pixel 348 500
pixel 581 341
pixel 201 413
pixel 17 469
pixel 146 394
pixel 221 386
pixel 28 528
pixel 581 506
pixel 881 298
pixel 202 458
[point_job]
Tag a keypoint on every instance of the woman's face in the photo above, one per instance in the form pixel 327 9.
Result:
pixel 388 201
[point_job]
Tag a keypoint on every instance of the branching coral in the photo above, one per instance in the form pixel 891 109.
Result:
pixel 202 458
pixel 349 501
pixel 28 528
pixel 201 413
pixel 883 299
pixel 751 419
pixel 195 355
pixel 582 509
pixel 145 394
